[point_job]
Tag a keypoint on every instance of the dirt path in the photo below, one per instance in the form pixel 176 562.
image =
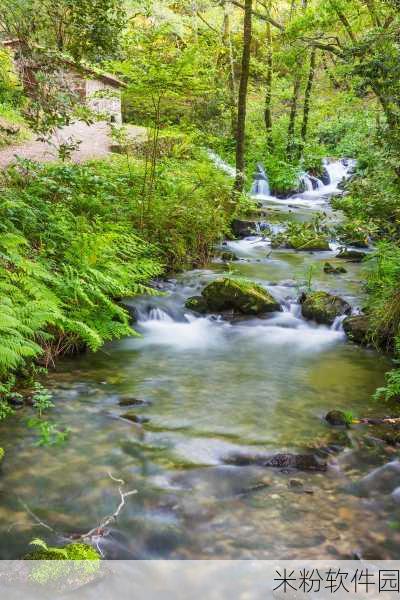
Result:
pixel 95 143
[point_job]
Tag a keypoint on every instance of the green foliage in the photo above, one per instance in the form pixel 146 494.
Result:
pixel 67 252
pixel 51 572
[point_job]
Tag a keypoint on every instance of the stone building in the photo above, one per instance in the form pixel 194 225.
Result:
pixel 100 91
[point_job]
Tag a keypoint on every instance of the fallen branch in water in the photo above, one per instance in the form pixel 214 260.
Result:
pixel 101 529
pixel 95 534
pixel 382 421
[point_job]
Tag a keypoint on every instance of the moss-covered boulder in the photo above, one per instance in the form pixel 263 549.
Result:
pixel 241 296
pixel 323 307
pixel 337 418
pixel 357 329
pixel 333 270
pixel 197 304
pixel 351 255
pixel 316 244
pixel 228 256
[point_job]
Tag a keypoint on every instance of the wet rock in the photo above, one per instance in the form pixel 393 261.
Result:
pixel 319 244
pixel 323 307
pixel 240 296
pixel 228 256
pixel 303 462
pixel 243 229
pixel 130 416
pixel 383 480
pixel 295 484
pixel 325 177
pixel 331 270
pixel 351 255
pixel 357 329
pixel 336 418
pixel 197 304
pixel 132 401
pixel 17 401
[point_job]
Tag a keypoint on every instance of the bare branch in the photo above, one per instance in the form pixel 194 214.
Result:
pixel 260 15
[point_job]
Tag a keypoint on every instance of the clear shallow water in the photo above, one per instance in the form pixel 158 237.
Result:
pixel 214 388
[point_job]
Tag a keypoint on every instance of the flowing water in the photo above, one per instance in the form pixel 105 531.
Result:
pixel 210 388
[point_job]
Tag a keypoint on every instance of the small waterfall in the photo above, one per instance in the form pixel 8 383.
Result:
pixel 337 324
pixel 261 185
pixel 157 314
pixel 310 183
pixel 221 164
pixel 339 169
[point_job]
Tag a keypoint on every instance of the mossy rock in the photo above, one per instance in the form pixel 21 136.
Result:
pixel 357 329
pixel 351 255
pixel 318 244
pixel 197 304
pixel 241 296
pixel 228 255
pixel 337 418
pixel 2 453
pixel 332 270
pixel 76 551
pixel 323 307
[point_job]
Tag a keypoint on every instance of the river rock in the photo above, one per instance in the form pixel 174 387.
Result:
pixel 197 304
pixel 323 307
pixel 302 462
pixel 242 229
pixel 132 401
pixel 383 480
pixel 331 270
pixel 318 244
pixel 228 255
pixel 325 177
pixel 134 418
pixel 243 297
pixel 357 328
pixel 351 255
pixel 336 417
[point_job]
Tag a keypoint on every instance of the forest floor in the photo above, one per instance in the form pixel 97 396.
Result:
pixel 95 143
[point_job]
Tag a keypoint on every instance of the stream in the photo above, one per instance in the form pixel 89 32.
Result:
pixel 211 388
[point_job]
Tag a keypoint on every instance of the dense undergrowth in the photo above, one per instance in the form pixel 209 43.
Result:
pixel 75 240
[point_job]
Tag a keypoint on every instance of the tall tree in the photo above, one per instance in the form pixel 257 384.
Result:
pixel 268 90
pixel 242 99
pixel 307 96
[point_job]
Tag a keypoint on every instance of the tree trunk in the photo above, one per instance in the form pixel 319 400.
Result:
pixel 307 96
pixel 227 42
pixel 293 111
pixel 268 93
pixel 242 100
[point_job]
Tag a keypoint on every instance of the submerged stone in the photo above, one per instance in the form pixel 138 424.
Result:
pixel 240 296
pixel 323 307
pixel 132 401
pixel 134 418
pixel 331 270
pixel 302 462
pixel 197 304
pixel 357 328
